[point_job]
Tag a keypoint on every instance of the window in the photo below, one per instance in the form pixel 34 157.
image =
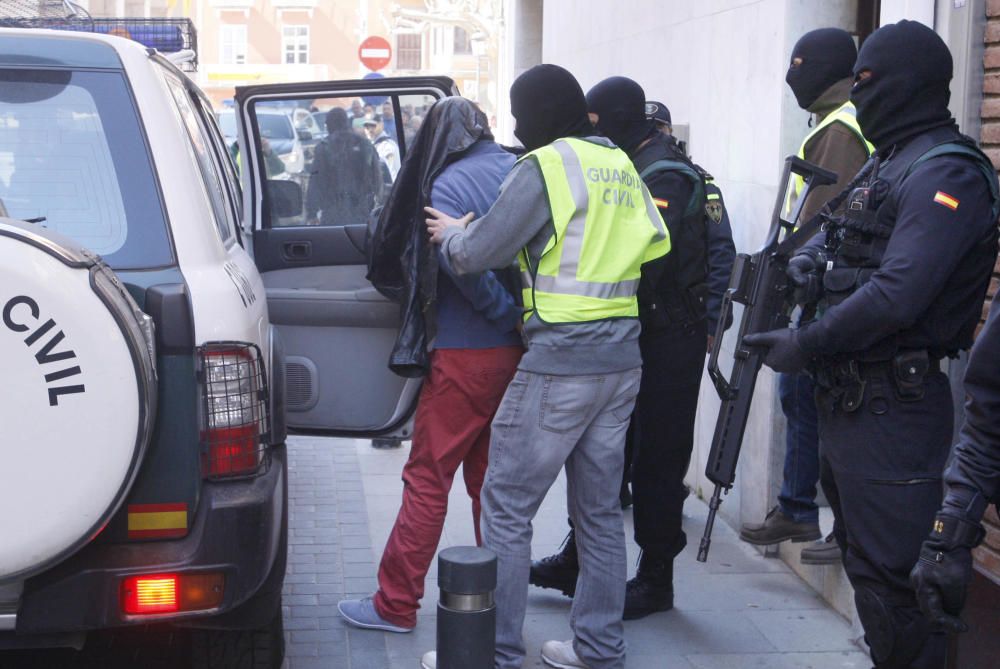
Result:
pixel 463 45
pixel 72 151
pixel 233 44
pixel 409 52
pixel 295 45
pixel 201 152
pixel 223 154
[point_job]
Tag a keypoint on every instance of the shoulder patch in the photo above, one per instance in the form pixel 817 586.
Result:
pixel 946 200
pixel 662 204
pixel 713 210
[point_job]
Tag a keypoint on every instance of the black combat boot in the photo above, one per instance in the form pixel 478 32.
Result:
pixel 652 589
pixel 558 571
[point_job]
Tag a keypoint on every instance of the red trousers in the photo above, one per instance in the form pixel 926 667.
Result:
pixel 451 428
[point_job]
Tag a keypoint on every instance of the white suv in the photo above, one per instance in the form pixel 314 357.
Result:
pixel 144 299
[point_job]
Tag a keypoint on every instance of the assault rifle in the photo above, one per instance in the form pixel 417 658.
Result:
pixel 759 283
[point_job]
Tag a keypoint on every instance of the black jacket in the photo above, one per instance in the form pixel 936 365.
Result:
pixel 402 263
pixel 976 465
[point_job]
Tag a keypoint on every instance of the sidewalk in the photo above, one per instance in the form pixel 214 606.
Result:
pixel 739 611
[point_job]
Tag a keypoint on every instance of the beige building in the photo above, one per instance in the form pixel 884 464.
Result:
pixel 243 42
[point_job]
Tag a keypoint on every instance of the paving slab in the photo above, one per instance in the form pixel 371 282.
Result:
pixel 741 610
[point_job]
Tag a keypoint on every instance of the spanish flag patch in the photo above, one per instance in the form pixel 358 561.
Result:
pixel 662 204
pixel 157 521
pixel 947 200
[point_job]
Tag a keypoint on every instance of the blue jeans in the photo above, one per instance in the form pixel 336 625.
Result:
pixel 798 490
pixel 543 423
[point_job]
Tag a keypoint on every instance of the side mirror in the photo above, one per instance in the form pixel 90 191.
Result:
pixel 304 135
pixel 285 198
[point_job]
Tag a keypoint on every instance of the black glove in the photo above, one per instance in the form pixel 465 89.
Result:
pixel 805 272
pixel 940 580
pixel 784 353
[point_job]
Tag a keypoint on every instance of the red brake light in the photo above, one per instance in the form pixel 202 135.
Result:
pixel 145 595
pixel 157 594
pixel 235 407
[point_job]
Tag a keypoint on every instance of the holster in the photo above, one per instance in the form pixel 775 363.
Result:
pixel 849 382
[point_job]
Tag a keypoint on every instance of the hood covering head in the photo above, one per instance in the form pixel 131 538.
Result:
pixel 548 104
pixel 908 91
pixel 402 263
pixel 620 105
pixel 336 120
pixel 828 55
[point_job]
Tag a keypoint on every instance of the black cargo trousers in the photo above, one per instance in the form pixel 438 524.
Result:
pixel 661 433
pixel 880 468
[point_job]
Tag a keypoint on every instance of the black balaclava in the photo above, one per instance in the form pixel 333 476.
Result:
pixel 828 55
pixel 548 104
pixel 907 92
pixel 620 105
pixel 336 120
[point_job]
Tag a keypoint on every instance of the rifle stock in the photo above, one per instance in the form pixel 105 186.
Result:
pixel 759 283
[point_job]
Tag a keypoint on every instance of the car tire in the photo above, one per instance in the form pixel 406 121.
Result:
pixel 261 648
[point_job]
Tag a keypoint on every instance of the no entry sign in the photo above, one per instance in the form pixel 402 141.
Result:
pixel 375 53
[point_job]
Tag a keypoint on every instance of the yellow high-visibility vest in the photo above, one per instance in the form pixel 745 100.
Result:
pixel 606 227
pixel 845 114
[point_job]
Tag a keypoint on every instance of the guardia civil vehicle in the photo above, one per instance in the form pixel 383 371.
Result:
pixel 162 319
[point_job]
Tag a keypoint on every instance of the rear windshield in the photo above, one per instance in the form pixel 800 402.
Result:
pixel 72 153
pixel 274 126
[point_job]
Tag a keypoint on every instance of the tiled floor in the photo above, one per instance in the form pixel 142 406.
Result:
pixel 739 611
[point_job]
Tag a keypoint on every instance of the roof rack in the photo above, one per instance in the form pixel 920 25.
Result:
pixel 167 35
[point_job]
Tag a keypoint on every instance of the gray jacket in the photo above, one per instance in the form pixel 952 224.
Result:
pixel 521 218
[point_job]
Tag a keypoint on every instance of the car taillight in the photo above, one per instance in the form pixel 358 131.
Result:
pixel 158 594
pixel 235 420
pixel 146 595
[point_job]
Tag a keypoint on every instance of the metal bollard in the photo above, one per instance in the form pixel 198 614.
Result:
pixel 466 616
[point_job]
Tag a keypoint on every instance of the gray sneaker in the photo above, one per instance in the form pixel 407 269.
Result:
pixel 361 613
pixel 778 527
pixel 823 552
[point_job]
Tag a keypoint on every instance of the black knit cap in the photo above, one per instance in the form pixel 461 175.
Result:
pixel 828 55
pixel 548 104
pixel 908 91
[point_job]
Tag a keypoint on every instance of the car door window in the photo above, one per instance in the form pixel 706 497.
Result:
pixel 200 145
pixel 343 154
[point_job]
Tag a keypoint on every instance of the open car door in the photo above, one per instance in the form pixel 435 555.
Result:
pixel 321 157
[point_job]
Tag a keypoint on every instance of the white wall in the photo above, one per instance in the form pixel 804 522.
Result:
pixel 719 65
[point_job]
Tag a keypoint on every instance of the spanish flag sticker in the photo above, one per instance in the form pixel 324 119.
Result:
pixel 947 200
pixel 662 204
pixel 157 521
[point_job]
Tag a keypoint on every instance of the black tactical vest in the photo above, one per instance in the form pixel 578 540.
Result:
pixel 857 239
pixel 682 289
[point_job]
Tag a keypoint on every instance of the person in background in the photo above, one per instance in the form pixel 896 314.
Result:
pixel 388 119
pixel 385 146
pixel 475 354
pixel 345 181
pixel 820 76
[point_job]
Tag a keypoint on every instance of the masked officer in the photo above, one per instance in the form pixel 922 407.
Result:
pixel 820 75
pixel 906 271
pixel 972 481
pixel 672 308
pixel 570 401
